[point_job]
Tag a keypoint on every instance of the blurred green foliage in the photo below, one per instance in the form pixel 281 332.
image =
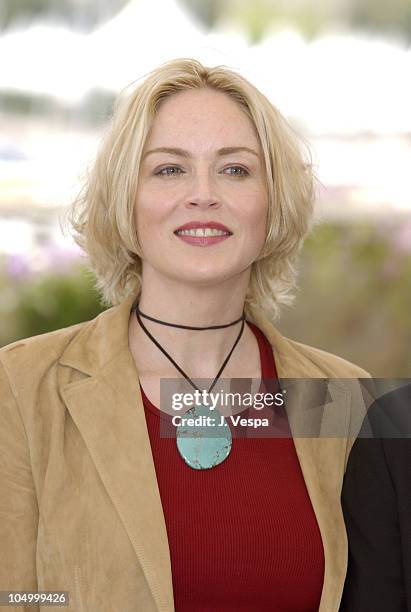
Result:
pixel 260 17
pixel 25 103
pixel 257 17
pixel 94 109
pixel 45 302
pixel 354 297
pixel 379 15
pixel 83 14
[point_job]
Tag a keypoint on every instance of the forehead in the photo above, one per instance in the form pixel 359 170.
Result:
pixel 201 118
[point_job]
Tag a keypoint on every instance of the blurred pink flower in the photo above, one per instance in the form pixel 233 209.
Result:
pixel 48 258
pixel 18 267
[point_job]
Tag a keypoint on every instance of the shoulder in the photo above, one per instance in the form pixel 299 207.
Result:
pixel 85 346
pixel 46 346
pixel 297 360
pixel 332 365
pixel 26 362
pixel 390 416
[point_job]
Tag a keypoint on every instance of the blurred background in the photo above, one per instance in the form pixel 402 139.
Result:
pixel 339 70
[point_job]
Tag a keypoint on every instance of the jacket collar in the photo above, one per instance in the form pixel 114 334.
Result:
pixel 104 338
pixel 100 387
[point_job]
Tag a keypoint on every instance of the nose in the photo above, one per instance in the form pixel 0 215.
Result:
pixel 202 192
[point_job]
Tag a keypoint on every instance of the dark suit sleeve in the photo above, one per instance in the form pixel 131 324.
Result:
pixel 373 514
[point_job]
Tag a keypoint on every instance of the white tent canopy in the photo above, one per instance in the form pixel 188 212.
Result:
pixel 337 83
pixel 143 35
pixel 45 59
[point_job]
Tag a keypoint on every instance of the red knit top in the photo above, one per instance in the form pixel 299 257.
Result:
pixel 243 535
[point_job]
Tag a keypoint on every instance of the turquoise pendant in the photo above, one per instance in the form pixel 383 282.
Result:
pixel 206 441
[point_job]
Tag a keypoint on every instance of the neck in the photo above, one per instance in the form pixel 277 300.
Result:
pixel 199 352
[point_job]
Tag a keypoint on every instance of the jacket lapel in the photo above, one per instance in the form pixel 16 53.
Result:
pixel 108 411
pixel 319 433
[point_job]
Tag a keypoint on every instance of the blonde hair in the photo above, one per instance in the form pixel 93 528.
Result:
pixel 102 215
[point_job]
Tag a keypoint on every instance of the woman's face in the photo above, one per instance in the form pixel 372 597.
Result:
pixel 201 163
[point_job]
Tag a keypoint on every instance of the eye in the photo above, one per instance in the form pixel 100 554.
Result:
pixel 169 171
pixel 237 171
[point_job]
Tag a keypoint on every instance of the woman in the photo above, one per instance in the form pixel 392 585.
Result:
pixel 377 509
pixel 96 501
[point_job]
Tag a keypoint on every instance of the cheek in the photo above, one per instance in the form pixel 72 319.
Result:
pixel 149 212
pixel 255 215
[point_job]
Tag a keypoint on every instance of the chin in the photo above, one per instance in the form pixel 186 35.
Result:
pixel 204 278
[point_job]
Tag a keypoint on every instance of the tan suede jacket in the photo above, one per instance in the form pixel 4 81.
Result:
pixel 80 508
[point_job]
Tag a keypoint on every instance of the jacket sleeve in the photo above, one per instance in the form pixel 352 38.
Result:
pixel 18 501
pixel 375 576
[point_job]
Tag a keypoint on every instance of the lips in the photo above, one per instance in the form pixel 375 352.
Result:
pixel 211 233
pixel 203 225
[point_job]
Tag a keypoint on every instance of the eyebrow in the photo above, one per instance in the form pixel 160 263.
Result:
pixel 183 153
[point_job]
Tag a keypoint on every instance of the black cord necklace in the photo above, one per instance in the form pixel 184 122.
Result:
pixel 203 438
pixel 140 314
